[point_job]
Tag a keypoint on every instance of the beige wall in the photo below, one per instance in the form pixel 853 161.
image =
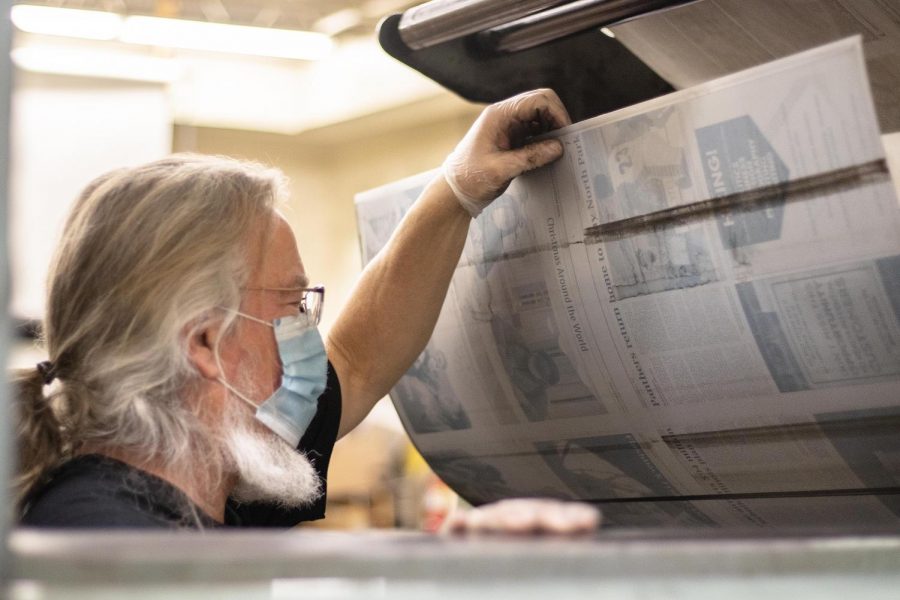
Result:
pixel 328 167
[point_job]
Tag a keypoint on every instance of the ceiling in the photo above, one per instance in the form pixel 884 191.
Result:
pixel 233 91
pixel 335 17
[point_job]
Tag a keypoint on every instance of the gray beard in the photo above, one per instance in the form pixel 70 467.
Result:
pixel 267 468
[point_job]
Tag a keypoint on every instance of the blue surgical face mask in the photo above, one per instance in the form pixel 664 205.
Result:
pixel 290 409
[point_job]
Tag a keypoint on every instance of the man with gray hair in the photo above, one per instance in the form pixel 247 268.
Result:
pixel 185 368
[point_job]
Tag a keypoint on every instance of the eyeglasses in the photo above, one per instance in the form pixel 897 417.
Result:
pixel 311 300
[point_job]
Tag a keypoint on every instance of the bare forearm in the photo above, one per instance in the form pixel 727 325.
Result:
pixel 394 308
pixel 395 305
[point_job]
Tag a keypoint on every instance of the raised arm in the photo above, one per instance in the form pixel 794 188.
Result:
pixel 393 309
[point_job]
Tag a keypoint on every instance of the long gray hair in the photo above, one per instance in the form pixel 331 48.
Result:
pixel 148 255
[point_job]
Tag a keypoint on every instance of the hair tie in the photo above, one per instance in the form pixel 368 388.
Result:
pixel 47 371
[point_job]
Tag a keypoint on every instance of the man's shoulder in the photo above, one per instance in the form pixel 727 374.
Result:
pixel 93 491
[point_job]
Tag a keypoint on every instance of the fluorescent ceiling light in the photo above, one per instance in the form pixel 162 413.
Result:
pixel 607 32
pixel 338 22
pixel 172 33
pixel 218 37
pixel 107 65
pixel 379 8
pixel 48 20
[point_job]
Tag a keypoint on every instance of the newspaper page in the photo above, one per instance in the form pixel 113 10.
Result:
pixel 739 369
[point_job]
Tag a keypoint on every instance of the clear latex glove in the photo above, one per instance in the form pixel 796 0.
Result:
pixel 494 150
pixel 527 515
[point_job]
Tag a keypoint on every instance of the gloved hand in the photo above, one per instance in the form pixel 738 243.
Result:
pixel 527 515
pixel 492 152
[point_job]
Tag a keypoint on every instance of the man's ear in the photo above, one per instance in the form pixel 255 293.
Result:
pixel 201 350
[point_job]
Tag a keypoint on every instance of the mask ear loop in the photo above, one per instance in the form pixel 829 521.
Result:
pixel 252 318
pixel 222 381
pixel 239 395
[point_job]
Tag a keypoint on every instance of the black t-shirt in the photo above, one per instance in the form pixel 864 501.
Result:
pixel 94 491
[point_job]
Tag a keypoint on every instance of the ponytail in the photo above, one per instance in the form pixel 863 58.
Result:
pixel 40 440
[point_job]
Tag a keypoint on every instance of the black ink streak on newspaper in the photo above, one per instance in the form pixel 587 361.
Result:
pixel 803 188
